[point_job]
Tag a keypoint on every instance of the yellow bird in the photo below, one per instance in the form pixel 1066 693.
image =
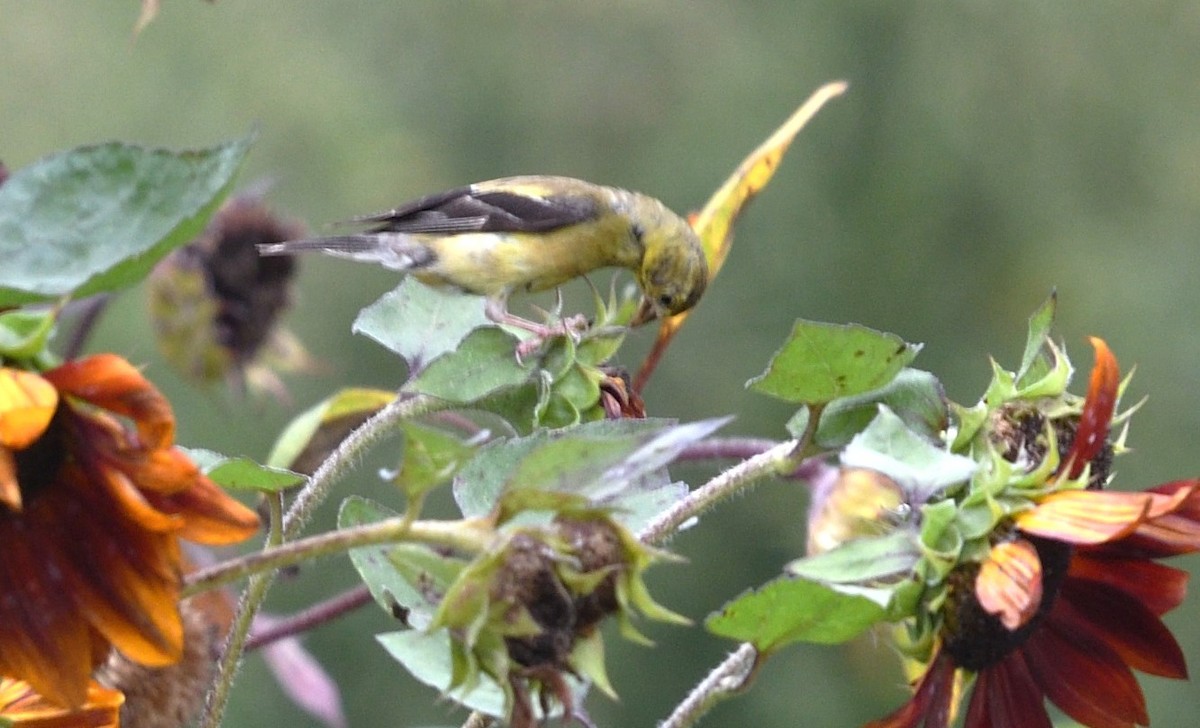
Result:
pixel 529 233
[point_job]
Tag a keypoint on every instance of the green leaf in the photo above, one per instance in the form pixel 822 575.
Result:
pixel 237 473
pixel 823 362
pixel 23 333
pixel 610 462
pixel 916 396
pixel 483 364
pixel 97 218
pixel 427 656
pixel 431 457
pixel 917 465
pixel 788 610
pixel 314 433
pixel 1039 330
pixel 862 560
pixel 419 322
pixel 411 576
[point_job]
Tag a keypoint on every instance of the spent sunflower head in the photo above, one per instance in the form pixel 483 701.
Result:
pixel 94 498
pixel 216 302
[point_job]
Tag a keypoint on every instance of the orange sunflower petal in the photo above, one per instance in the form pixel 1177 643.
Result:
pixel 10 489
pixel 43 638
pixel 110 382
pixel 209 515
pixel 27 402
pixel 24 708
pixel 1009 584
pixel 1085 516
pixel 1097 414
pixel 126 580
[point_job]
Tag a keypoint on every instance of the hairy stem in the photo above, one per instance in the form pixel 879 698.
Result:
pixel 725 680
pixel 466 535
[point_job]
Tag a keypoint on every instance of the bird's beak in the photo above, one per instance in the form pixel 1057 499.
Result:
pixel 645 313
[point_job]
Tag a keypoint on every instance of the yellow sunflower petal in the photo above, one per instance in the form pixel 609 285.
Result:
pixel 24 708
pixel 1085 516
pixel 27 402
pixel 1009 584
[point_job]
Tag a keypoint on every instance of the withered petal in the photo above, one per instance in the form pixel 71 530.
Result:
pixel 1085 678
pixel 27 402
pixel 1009 584
pixel 111 383
pixel 1006 696
pixel 1134 632
pixel 1085 516
pixel 1094 421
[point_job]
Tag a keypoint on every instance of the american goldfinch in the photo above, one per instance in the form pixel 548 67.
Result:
pixel 529 233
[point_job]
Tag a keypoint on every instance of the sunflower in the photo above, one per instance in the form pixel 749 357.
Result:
pixel 1068 601
pixel 94 498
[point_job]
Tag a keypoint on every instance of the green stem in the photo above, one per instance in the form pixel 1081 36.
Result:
pixel 725 680
pixel 342 460
pixel 312 495
pixel 469 535
pixel 779 459
pixel 256 591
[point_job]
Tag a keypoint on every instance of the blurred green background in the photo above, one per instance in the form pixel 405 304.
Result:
pixel 985 153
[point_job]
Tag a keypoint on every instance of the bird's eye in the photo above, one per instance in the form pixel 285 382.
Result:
pixel 638 231
pixel 665 301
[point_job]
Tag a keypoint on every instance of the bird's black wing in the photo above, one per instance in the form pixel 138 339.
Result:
pixel 465 210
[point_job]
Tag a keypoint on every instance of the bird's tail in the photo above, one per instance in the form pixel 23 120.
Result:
pixel 397 251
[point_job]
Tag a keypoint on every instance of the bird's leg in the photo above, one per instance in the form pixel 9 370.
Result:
pixel 496 309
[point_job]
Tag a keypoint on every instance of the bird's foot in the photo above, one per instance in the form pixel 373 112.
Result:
pixel 572 327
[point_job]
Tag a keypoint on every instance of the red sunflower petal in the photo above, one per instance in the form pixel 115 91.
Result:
pixel 930 703
pixel 27 402
pixel 1085 516
pixel 1134 632
pixel 1009 584
pixel 1085 678
pixel 1160 588
pixel 1094 421
pixel 111 383
pixel 1006 696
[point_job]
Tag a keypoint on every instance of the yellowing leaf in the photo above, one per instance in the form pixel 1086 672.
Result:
pixel 714 223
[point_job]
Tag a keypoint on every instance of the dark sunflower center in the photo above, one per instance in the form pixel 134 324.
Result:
pixel 976 639
pixel 38 465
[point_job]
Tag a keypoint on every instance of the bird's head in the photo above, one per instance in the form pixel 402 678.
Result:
pixel 674 271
